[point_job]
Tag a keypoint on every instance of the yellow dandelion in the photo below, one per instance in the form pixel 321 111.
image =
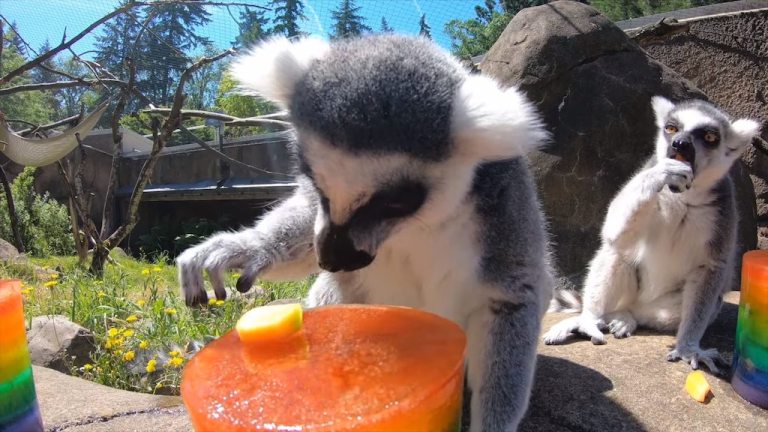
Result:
pixel 158 386
pixel 128 333
pixel 101 294
pixel 145 272
pixel 53 276
pixel 152 366
pixel 108 344
pixel 174 353
pixel 144 344
pixel 112 332
pixel 219 302
pixel 175 362
pixel 156 269
pixel 26 291
pixel 170 311
pixel 118 342
pixel 128 356
pixel 236 275
pixel 212 302
pixel 51 284
pixel 140 303
pixel 87 367
pixel 132 318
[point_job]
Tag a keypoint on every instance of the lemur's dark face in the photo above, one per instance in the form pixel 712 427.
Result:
pixel 700 135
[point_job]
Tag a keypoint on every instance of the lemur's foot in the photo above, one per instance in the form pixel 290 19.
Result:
pixel 693 355
pixel 622 325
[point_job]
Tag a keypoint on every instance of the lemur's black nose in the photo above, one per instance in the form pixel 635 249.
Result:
pixel 682 143
pixel 335 251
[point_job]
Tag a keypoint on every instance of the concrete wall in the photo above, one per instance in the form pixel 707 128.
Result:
pixel 726 56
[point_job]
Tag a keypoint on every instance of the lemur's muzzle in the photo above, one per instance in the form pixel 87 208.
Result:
pixel 682 149
pixel 336 252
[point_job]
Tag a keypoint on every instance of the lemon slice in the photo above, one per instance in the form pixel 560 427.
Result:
pixel 697 386
pixel 269 323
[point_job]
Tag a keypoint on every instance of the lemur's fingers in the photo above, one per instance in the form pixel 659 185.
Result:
pixel 191 279
pixel 216 276
pixel 693 356
pixel 591 328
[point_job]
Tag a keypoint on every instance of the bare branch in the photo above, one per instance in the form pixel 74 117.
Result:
pixel 160 138
pixel 62 122
pixel 62 73
pixel 64 45
pixel 68 84
pixel 227 119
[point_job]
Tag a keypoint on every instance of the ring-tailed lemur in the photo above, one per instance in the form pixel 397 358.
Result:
pixel 412 191
pixel 669 238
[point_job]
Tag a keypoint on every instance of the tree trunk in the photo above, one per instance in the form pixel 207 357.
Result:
pixel 100 257
pixel 12 212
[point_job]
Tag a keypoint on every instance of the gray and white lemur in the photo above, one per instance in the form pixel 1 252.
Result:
pixel 669 238
pixel 412 191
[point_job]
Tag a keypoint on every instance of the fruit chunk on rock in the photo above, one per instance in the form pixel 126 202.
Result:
pixel 697 386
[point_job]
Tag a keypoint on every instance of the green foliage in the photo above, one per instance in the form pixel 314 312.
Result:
pixel 44 223
pixel 166 239
pixel 385 27
pixel 424 29
pixel 28 106
pixel 228 100
pixel 288 13
pixel 347 21
pixel 253 27
pixel 618 10
pixel 136 316
pixel 476 36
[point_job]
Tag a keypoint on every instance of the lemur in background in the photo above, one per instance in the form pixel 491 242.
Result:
pixel 412 190
pixel 669 238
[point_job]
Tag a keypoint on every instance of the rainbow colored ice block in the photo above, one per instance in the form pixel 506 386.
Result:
pixel 352 368
pixel 18 403
pixel 750 358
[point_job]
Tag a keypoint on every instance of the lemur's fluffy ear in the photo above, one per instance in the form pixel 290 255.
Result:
pixel 493 123
pixel 272 68
pixel 661 108
pixel 745 130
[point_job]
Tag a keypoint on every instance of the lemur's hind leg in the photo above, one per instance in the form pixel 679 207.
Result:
pixel 609 289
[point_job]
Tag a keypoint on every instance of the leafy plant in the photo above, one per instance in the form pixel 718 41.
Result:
pixel 44 223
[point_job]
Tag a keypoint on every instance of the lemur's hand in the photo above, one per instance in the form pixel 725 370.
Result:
pixel 694 355
pixel 216 255
pixel 674 173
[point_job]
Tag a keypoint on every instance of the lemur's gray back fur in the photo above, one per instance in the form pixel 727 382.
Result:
pixel 362 115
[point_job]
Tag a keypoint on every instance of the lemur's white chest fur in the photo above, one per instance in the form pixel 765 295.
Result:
pixel 451 253
pixel 674 244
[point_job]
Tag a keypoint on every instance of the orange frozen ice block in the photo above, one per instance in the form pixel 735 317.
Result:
pixel 352 368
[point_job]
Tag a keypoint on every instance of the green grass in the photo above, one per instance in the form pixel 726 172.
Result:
pixel 144 332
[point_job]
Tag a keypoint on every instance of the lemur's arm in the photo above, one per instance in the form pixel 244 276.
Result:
pixel 501 361
pixel 702 296
pixel 630 210
pixel 278 247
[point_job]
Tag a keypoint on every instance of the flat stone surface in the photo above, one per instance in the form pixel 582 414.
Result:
pixel 73 404
pixel 625 385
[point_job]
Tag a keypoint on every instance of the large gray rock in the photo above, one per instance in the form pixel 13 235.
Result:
pixel 593 86
pixel 58 343
pixel 8 252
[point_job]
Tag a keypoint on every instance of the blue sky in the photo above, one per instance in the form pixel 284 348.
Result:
pixel 38 20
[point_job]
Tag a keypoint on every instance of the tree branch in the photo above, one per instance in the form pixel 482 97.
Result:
pixel 227 119
pixel 160 138
pixel 64 45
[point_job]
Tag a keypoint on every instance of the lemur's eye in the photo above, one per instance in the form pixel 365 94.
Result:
pixel 710 137
pixel 670 129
